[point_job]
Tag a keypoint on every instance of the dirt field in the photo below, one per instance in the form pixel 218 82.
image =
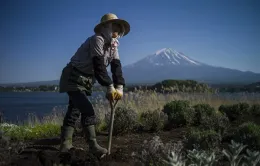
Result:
pixel 123 148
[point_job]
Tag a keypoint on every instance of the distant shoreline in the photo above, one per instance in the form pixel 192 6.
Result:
pixel 165 86
pixel 35 91
pixel 27 91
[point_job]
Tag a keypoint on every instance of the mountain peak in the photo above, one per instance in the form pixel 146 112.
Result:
pixel 161 50
pixel 168 56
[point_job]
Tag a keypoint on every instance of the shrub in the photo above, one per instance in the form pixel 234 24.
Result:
pixel 30 132
pixel 233 153
pixel 179 113
pixel 201 157
pixel 125 120
pixel 207 118
pixel 249 134
pixel 236 112
pixel 202 139
pixel 152 121
pixel 180 85
pixel 101 122
pixel 217 122
pixel 101 126
pixel 255 110
pixel 4 141
pixel 202 111
pixel 156 153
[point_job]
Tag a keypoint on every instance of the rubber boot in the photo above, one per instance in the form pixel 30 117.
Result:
pixel 92 142
pixel 66 138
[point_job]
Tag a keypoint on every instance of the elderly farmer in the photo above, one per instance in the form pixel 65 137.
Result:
pixel 87 65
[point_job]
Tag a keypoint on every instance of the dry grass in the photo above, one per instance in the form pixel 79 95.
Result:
pixel 150 100
pixel 155 152
pixel 141 101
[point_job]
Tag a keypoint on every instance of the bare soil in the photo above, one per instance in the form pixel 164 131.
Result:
pixel 45 152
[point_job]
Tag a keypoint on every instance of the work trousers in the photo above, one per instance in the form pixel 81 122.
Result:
pixel 79 104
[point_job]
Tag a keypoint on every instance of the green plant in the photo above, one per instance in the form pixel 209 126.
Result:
pixel 216 121
pixel 151 152
pixel 255 110
pixel 207 118
pixel 179 113
pixel 156 153
pixel 201 112
pixel 248 133
pixel 236 112
pixel 180 85
pixel 125 120
pixel 233 153
pixel 201 158
pixel 174 159
pixel 252 158
pixel 152 120
pixel 4 140
pixel 30 132
pixel 202 139
pixel 101 126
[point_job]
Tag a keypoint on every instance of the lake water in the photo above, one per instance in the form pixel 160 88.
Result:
pixel 16 106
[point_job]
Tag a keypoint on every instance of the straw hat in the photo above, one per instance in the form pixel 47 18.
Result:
pixel 112 18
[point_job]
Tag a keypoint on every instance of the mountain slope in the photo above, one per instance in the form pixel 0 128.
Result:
pixel 167 57
pixel 170 64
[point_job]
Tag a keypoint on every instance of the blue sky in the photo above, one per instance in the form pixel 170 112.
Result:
pixel 37 38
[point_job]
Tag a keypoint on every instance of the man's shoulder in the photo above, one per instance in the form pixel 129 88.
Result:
pixel 97 38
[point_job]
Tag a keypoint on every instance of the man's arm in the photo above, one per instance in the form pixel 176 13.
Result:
pixel 97 52
pixel 116 69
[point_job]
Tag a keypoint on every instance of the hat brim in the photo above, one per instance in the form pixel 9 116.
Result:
pixel 119 21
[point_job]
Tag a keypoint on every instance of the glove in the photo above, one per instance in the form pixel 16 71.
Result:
pixel 111 93
pixel 119 90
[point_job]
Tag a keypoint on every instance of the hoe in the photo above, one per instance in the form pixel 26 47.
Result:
pixel 113 106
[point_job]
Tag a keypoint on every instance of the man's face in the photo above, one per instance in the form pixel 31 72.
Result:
pixel 114 34
pixel 116 29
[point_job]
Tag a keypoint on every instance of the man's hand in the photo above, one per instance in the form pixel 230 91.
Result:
pixel 114 94
pixel 111 93
pixel 119 90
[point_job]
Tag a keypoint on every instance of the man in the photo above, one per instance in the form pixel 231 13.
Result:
pixel 87 65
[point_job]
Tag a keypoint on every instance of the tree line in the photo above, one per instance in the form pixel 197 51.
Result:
pixel 165 86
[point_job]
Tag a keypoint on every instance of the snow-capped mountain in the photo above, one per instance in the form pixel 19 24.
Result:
pixel 166 57
pixel 167 63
